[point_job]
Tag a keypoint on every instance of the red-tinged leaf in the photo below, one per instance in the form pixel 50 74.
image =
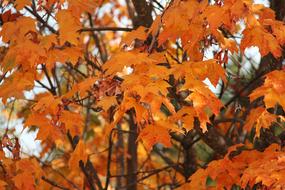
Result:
pixel 3 184
pixel 8 16
pixel 24 180
pixel 16 150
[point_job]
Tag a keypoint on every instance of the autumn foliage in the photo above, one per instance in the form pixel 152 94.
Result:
pixel 136 94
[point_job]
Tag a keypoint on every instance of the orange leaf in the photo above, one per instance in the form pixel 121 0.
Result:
pixel 78 154
pixel 68 27
pixel 20 4
pixel 261 118
pixel 139 33
pixel 153 134
pixel 265 41
pixel 273 89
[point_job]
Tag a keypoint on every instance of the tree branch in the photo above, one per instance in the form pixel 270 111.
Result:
pixel 92 29
pixel 53 183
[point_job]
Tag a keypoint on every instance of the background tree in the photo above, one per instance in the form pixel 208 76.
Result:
pixel 136 94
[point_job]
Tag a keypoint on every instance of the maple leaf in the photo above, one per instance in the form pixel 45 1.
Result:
pixel 226 43
pixel 126 59
pixel 160 80
pixel 203 99
pixel 68 119
pixel 268 169
pixel 20 4
pixel 25 181
pixel 13 88
pixel 152 134
pixel 16 31
pixel 221 16
pixel 200 71
pixel 277 27
pixel 47 103
pixel 78 7
pixel 176 20
pixel 28 172
pixel 27 58
pixel 81 87
pixel 128 103
pixel 265 41
pixel 69 54
pixel 48 41
pixel 68 27
pixel 186 115
pixel 107 101
pixel 78 154
pixel 272 89
pixel 46 129
pixel 3 184
pixel 261 118
pixel 139 34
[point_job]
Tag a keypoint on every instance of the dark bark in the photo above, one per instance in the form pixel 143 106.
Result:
pixel 120 167
pixel 143 13
pixel 279 7
pixel 140 17
pixel 132 159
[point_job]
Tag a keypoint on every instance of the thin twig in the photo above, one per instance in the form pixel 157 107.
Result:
pixel 114 29
pixel 88 177
pixel 41 20
pixel 53 183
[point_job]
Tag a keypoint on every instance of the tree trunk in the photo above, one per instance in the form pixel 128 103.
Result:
pixel 132 158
